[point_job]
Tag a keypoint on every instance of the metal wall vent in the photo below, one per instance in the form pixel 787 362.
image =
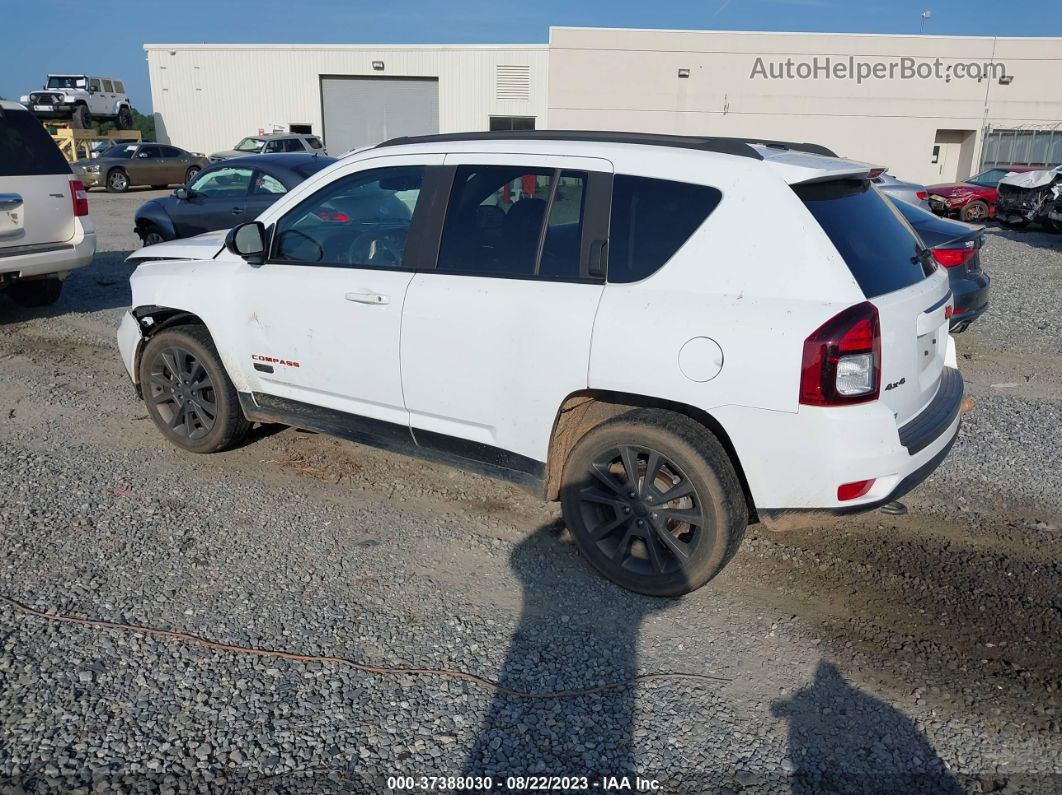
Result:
pixel 512 82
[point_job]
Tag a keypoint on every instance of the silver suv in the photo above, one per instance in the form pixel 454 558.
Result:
pixel 272 144
pixel 81 99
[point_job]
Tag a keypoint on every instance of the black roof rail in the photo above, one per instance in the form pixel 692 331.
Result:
pixel 740 147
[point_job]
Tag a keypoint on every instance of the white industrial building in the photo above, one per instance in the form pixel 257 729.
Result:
pixel 933 128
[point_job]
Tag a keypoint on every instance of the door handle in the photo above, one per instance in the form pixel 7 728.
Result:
pixel 10 201
pixel 368 298
pixel 237 210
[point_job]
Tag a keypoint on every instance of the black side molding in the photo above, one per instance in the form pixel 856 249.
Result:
pixel 935 418
pixel 481 459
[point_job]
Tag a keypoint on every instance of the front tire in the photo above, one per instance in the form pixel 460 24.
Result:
pixel 187 392
pixel 653 502
pixel 974 212
pixel 150 235
pixel 80 119
pixel 117 181
pixel 36 292
pixel 125 119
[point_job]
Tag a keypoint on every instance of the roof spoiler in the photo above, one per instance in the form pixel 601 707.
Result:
pixel 740 147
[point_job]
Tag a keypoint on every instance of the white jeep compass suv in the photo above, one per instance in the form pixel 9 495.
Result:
pixel 603 317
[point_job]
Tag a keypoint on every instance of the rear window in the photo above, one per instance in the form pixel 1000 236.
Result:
pixel 25 148
pixel 878 245
pixel 651 219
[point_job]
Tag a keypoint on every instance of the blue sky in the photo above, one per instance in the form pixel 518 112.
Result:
pixel 106 36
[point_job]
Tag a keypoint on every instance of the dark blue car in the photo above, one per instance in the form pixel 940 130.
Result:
pixel 224 195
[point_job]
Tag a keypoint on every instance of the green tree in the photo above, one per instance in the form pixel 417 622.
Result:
pixel 146 125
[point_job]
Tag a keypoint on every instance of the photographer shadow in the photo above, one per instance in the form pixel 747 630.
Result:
pixel 844 740
pixel 575 631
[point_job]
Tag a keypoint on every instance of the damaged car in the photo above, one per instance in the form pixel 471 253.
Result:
pixel 1028 197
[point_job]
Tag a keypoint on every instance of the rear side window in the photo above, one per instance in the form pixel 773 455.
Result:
pixel 651 219
pixel 879 247
pixel 25 148
pixel 315 143
pixel 514 221
pixel 107 87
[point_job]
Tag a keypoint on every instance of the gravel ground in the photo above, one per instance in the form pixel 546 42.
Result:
pixel 913 653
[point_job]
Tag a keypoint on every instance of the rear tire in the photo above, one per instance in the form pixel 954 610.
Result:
pixel 36 292
pixel 80 119
pixel 125 119
pixel 974 212
pixel 117 181
pixel 187 392
pixel 626 526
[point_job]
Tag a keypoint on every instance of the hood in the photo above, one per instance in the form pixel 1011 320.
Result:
pixel 1031 179
pixel 956 189
pixel 201 247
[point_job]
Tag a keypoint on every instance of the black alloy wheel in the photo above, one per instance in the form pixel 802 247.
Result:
pixel 187 392
pixel 182 392
pixel 643 512
pixel 653 502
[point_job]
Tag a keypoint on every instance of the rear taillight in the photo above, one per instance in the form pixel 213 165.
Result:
pixel 954 257
pixel 79 196
pixel 921 195
pixel 842 359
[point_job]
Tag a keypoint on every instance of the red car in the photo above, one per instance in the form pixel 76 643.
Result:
pixel 973 200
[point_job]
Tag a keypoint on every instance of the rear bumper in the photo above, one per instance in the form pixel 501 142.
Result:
pixel 24 262
pixel 794 462
pixel 971 299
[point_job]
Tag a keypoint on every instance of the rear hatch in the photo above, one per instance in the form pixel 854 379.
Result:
pixel 899 277
pixel 36 203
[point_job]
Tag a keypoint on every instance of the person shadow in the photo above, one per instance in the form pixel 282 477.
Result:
pixel 575 631
pixel 843 740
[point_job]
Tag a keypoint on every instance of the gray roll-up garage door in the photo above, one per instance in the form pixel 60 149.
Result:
pixel 361 111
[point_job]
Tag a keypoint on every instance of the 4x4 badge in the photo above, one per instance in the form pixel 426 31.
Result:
pixel 895 384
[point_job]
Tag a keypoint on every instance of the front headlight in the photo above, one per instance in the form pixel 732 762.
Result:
pixel 91 169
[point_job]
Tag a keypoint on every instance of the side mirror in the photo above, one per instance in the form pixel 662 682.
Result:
pixel 248 241
pixel 182 193
pixel 92 89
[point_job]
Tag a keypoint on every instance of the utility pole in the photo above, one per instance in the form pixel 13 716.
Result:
pixel 922 25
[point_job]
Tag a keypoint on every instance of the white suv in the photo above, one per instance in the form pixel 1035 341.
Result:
pixel 45 231
pixel 607 318
pixel 82 99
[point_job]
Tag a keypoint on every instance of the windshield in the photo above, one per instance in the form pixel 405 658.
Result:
pixel 66 82
pixel 988 179
pixel 122 151
pixel 250 145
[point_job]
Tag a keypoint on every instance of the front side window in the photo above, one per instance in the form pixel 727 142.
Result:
pixel 650 220
pixel 222 182
pixel 514 221
pixel 265 185
pixel 94 84
pixel 293 145
pixel 148 151
pixel 362 219
pixel 250 145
